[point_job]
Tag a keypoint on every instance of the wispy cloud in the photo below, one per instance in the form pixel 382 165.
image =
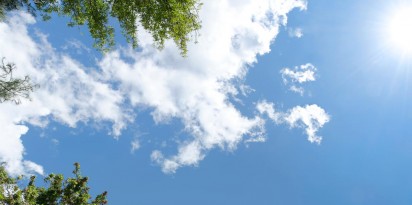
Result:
pixel 294 78
pixel 67 92
pixel 268 109
pixel 295 32
pixel 194 90
pixel 77 46
pixel 135 145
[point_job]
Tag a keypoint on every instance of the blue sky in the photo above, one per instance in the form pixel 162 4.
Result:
pixel 308 104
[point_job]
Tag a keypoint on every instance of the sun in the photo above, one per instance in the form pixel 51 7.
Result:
pixel 399 30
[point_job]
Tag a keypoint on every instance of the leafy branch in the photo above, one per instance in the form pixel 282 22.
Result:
pixel 72 191
pixel 13 89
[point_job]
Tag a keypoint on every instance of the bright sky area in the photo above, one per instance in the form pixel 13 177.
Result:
pixel 280 102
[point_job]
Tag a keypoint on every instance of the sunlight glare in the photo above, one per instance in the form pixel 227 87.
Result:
pixel 400 30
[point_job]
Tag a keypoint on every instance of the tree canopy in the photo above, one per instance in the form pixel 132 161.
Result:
pixel 164 19
pixel 60 191
pixel 13 89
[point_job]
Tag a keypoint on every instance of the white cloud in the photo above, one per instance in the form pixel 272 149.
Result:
pixel 269 109
pixel 309 117
pixel 67 92
pixel 135 145
pixel 297 89
pixel 195 89
pixel 78 46
pixel 295 32
pixel 297 76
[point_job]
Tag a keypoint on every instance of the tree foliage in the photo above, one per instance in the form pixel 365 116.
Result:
pixel 164 19
pixel 13 89
pixel 72 191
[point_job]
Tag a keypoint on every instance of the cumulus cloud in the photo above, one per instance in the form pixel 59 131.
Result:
pixel 310 117
pixel 297 76
pixel 194 90
pixel 67 93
